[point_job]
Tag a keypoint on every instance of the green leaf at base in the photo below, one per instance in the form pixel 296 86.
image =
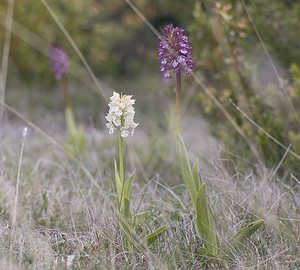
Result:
pixel 150 238
pixel 236 243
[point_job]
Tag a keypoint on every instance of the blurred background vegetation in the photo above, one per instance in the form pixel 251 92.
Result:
pixel 111 37
pixel 232 41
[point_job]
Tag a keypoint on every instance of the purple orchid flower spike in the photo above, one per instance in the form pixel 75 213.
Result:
pixel 174 51
pixel 59 61
pixel 175 54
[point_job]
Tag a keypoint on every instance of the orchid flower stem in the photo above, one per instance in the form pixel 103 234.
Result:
pixel 67 96
pixel 121 158
pixel 178 100
pixel 121 168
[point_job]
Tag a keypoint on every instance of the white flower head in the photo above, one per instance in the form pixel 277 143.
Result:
pixel 121 114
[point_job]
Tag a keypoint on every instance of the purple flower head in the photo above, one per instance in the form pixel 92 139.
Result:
pixel 174 51
pixel 59 61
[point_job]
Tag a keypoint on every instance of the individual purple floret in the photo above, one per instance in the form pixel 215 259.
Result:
pixel 174 51
pixel 59 61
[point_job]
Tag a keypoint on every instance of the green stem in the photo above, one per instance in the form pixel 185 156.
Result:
pixel 67 96
pixel 121 168
pixel 178 100
pixel 121 158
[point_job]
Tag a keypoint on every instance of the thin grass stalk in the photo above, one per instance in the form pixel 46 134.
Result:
pixel 14 217
pixel 76 49
pixel 5 55
pixel 54 142
pixel 286 148
pixel 291 105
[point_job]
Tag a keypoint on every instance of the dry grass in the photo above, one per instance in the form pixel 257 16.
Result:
pixel 62 213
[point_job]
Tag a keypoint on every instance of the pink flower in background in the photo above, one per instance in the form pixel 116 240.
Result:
pixel 59 61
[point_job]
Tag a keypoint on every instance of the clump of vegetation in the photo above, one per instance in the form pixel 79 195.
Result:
pixel 265 113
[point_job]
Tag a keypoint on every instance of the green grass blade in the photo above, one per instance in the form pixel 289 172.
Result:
pixel 237 241
pixel 125 197
pixel 150 238
pixel 70 121
pixel 127 187
pixel 80 140
pixel 139 217
pixel 185 169
pixel 125 209
pixel 196 175
pixel 118 180
pixel 205 224
pixel 76 136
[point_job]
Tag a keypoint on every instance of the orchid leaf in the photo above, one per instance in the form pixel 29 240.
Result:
pixel 150 238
